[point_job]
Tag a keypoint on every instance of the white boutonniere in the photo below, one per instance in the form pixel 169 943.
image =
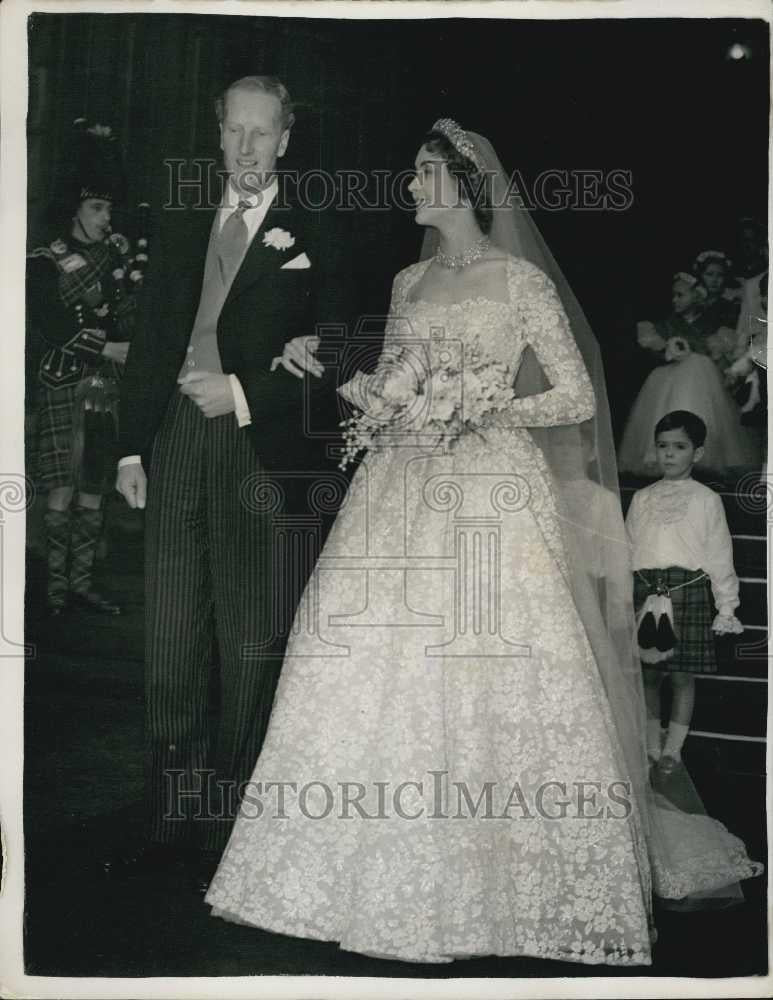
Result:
pixel 279 239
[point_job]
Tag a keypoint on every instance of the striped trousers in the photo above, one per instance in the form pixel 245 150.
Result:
pixel 209 578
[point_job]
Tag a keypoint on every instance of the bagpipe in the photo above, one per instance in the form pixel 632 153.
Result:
pixel 111 301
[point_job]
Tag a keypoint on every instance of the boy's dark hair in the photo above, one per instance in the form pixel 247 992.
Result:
pixel 683 420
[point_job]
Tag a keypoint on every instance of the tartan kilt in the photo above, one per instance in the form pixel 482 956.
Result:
pixel 56 433
pixel 694 613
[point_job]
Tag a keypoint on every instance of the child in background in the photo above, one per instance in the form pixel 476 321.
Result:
pixel 714 270
pixel 720 309
pixel 682 558
pixel 689 380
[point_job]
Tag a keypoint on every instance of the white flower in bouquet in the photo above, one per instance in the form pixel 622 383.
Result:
pixel 458 401
pixel 677 349
pixel 487 389
pixel 444 390
pixel 397 385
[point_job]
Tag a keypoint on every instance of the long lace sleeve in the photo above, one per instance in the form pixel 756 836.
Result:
pixel 546 329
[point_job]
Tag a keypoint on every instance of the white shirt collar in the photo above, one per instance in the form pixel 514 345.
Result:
pixel 262 200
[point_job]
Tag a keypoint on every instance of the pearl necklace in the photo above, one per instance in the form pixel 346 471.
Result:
pixel 455 262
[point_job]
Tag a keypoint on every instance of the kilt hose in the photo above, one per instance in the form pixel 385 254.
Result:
pixel 208 576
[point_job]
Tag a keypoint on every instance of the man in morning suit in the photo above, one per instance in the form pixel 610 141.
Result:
pixel 205 414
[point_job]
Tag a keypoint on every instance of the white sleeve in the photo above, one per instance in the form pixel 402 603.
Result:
pixel 632 518
pixel 570 399
pixel 718 557
pixel 242 410
pixel 130 460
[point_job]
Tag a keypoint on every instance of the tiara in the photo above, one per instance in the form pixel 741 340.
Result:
pixel 458 139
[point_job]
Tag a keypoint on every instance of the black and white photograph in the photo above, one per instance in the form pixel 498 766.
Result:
pixel 385 507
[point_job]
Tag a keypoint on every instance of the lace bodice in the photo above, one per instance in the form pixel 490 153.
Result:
pixel 480 328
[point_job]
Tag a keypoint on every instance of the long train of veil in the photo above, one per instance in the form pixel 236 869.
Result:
pixel 686 853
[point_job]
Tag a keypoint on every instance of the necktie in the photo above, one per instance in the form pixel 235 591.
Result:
pixel 232 242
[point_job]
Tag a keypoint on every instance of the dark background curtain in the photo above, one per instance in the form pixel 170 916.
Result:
pixel 657 98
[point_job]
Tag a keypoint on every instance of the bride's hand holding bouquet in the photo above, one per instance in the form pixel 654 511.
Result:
pixel 404 394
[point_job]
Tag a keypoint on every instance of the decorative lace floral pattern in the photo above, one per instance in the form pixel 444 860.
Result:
pixel 438 650
pixel 695 853
pixel 667 501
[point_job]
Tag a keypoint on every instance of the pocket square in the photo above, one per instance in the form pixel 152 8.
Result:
pixel 297 263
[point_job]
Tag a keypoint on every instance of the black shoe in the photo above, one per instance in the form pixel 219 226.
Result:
pixel 145 861
pixel 92 601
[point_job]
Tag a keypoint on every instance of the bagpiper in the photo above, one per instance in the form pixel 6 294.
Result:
pixel 81 314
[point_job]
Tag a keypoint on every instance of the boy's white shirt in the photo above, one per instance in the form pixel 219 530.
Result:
pixel 699 539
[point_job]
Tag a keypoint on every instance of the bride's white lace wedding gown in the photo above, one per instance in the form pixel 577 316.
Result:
pixel 447 779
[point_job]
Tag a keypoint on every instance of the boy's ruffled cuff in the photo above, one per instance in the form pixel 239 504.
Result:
pixel 726 625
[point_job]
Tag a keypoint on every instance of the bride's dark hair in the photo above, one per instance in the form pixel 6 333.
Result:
pixel 476 187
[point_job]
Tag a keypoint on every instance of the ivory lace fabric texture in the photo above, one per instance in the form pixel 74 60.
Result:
pixel 452 782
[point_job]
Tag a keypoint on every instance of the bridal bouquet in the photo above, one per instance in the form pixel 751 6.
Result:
pixel 405 394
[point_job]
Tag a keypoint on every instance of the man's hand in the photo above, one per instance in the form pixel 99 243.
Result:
pixel 298 357
pixel 210 391
pixel 116 350
pixel 132 484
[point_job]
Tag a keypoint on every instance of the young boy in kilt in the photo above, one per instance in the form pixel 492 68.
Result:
pixel 82 321
pixel 685 585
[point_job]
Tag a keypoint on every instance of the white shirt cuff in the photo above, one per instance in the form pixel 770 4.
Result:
pixel 130 460
pixel 242 410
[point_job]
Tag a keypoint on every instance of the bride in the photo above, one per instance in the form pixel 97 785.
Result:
pixel 455 762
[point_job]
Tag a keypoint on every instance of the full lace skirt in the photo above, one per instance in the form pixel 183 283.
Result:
pixel 439 675
pixel 693 384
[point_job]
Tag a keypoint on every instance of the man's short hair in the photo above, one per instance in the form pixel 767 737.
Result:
pixel 265 85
